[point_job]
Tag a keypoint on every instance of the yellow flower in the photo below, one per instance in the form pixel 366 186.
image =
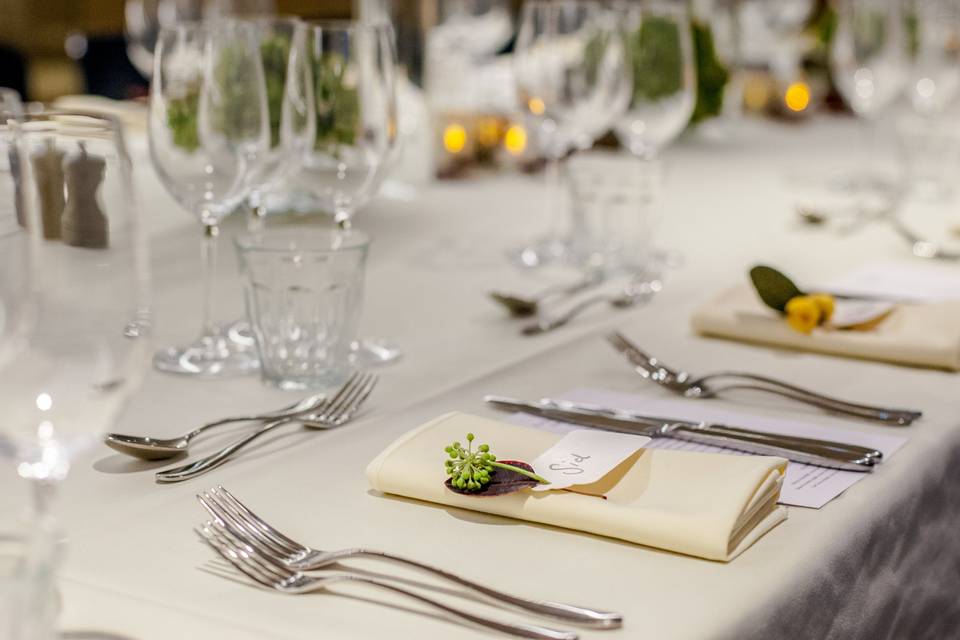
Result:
pixel 826 303
pixel 803 313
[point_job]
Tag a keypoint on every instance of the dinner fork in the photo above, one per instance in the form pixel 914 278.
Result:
pixel 269 573
pixel 332 413
pixel 234 515
pixel 691 386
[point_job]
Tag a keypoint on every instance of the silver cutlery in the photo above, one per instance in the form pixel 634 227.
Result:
pixel 147 448
pixel 272 574
pixel 267 540
pixel 691 386
pixel 834 455
pixel 524 306
pixel 852 449
pixel 331 413
pixel 920 247
pixel 633 293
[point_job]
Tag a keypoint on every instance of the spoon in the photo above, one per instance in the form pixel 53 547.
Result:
pixel 632 294
pixel 522 307
pixel 147 448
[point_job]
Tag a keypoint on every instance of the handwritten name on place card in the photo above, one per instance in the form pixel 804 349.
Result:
pixel 584 456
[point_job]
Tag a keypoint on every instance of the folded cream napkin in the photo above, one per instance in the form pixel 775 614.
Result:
pixel 926 335
pixel 701 504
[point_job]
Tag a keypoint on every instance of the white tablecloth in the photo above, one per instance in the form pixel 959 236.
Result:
pixel 880 561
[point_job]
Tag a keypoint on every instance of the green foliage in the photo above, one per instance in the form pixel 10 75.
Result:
pixel 774 288
pixel 338 104
pixel 471 470
pixel 655 53
pixel 182 120
pixel 234 113
pixel 712 76
pixel 275 51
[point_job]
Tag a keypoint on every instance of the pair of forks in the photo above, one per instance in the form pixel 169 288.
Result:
pixel 273 560
pixel 333 412
pixel 691 386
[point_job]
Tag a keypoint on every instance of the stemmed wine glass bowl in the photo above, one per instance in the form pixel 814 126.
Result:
pixel 572 81
pixel 209 137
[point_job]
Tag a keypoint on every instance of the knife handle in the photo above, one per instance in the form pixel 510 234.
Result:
pixel 819 456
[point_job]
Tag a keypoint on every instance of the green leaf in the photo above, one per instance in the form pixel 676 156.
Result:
pixel 774 288
pixel 502 482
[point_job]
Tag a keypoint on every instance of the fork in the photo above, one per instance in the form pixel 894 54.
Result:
pixel 272 574
pixel 235 516
pixel 690 386
pixel 633 293
pixel 332 413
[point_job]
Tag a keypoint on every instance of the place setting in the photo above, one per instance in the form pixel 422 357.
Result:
pixel 557 316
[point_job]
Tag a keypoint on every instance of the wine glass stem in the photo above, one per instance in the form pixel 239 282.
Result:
pixel 211 230
pixel 555 210
pixel 342 219
pixel 256 213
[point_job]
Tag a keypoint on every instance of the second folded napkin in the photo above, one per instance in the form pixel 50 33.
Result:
pixel 708 505
pixel 926 335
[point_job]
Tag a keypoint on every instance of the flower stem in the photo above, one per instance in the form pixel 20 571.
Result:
pixel 522 472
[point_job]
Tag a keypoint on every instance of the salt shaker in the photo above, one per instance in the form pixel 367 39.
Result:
pixel 48 174
pixel 84 223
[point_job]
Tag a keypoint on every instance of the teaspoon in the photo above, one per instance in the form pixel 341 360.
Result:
pixel 147 448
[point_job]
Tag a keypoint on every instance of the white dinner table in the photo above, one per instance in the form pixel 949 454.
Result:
pixel 880 561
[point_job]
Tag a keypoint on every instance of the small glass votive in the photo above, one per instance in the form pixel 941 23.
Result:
pixel 304 293
pixel 611 202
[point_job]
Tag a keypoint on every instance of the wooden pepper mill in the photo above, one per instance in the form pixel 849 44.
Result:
pixel 84 223
pixel 48 174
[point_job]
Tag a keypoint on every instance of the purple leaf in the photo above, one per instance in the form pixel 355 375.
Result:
pixel 502 481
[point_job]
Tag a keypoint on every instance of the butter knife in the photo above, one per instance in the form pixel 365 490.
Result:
pixel 835 457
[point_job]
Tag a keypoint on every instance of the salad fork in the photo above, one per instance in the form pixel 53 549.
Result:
pixel 691 386
pixel 269 573
pixel 334 412
pixel 229 512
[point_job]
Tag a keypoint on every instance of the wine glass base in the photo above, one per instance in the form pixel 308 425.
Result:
pixel 240 335
pixel 543 252
pixel 374 352
pixel 210 356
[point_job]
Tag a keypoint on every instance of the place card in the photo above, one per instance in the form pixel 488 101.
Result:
pixel 584 456
pixel 903 281
pixel 805 485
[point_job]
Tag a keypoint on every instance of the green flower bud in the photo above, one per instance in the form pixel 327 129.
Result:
pixel 484 448
pixel 470 437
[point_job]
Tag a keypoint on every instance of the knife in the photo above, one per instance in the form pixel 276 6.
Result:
pixel 777 437
pixel 835 456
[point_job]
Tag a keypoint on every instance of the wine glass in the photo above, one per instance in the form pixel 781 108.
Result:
pixel 143 20
pixel 353 66
pixel 289 90
pixel 660 49
pixel 355 131
pixel 868 64
pixel 209 133
pixel 78 271
pixel 290 107
pixel 572 79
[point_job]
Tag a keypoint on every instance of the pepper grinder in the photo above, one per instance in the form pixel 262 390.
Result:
pixel 48 174
pixel 84 224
